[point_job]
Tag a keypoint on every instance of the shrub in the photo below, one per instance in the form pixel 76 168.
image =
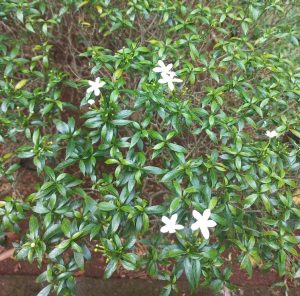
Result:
pixel 116 148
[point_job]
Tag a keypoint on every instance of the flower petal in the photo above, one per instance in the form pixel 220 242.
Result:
pixel 171 74
pixel 170 85
pixel 97 80
pixel 197 215
pixel 271 134
pixel 164 229
pixel 97 91
pixel 173 219
pixel 161 63
pixel 204 231
pixel 169 67
pixel 195 226
pixel 90 89
pixel 162 80
pixel 211 223
pixel 172 230
pixel 101 83
pixel 157 69
pixel 206 214
pixel 165 219
pixel 179 227
pixel 177 80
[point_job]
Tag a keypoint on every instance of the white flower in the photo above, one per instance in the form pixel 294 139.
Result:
pixel 163 69
pixel 95 86
pixel 91 102
pixel 203 223
pixel 171 225
pixel 170 79
pixel 272 134
pixel 167 76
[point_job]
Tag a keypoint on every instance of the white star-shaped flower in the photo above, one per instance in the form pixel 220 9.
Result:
pixel 91 102
pixel 171 225
pixel 169 79
pixel 203 223
pixel 163 69
pixel 272 134
pixel 95 86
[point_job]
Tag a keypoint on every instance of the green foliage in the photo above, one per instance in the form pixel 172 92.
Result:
pixel 109 171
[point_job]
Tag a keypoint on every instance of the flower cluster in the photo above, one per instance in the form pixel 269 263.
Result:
pixel 202 223
pixel 167 76
pixel 94 88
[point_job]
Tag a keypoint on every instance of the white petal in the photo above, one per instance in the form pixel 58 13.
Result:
pixel 174 218
pixel 91 102
pixel 97 91
pixel 97 80
pixel 177 80
pixel 211 223
pixel 197 215
pixel 195 226
pixel 161 63
pixel 172 230
pixel 164 229
pixel 206 214
pixel 171 74
pixel 167 75
pixel 165 219
pixel 179 227
pixel 162 80
pixel 204 231
pixel 169 67
pixel 170 85
pixel 90 89
pixel 157 69
pixel 91 83
pixel 272 134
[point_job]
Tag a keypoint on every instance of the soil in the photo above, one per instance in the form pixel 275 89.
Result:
pixel 95 268
pixel 26 286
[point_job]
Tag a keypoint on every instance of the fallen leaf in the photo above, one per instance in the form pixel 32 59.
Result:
pixel 296 197
pixel 6 254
